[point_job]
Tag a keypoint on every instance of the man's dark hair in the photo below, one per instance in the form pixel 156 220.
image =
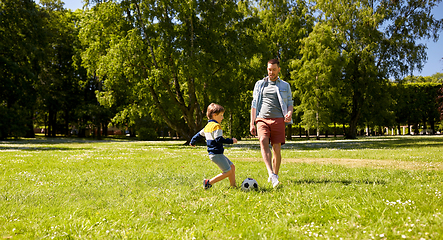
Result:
pixel 274 61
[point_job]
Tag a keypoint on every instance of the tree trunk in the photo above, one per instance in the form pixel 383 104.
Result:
pixel 289 132
pixel 300 128
pixel 318 127
pixel 30 126
pixel 66 129
pixel 230 125
pixel 355 114
pixel 105 129
pixel 335 129
pixel 52 129
pixel 99 131
pixel 46 125
pixel 352 130
pixel 432 122
pixel 425 126
pixel 416 129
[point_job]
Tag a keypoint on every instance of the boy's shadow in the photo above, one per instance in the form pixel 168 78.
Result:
pixel 344 182
pixel 319 181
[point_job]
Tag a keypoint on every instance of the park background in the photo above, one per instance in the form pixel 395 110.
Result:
pixel 149 69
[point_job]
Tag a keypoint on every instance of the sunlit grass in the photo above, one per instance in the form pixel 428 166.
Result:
pixel 70 188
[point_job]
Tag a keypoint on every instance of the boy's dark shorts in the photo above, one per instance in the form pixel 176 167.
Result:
pixel 222 162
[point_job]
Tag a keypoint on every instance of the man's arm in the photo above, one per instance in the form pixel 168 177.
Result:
pixel 288 115
pixel 252 128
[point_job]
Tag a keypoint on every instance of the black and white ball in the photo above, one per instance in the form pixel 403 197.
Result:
pixel 249 184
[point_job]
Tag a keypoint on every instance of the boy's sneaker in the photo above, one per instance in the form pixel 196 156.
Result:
pixel 206 184
pixel 274 180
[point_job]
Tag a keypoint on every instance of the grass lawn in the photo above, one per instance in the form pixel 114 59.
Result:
pixel 370 188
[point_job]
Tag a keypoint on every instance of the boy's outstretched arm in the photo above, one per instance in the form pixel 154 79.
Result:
pixel 196 137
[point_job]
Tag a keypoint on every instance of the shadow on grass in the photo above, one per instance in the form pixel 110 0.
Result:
pixel 391 142
pixel 42 148
pixel 344 182
pixel 321 181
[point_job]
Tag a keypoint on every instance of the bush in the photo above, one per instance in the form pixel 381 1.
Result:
pixel 147 134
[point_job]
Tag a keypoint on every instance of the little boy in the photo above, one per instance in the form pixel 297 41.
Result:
pixel 214 139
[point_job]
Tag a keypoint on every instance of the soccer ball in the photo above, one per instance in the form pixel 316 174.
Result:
pixel 249 184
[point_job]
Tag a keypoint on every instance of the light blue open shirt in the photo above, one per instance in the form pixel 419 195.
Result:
pixel 284 95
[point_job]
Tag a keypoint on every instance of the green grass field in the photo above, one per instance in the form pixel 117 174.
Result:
pixel 371 188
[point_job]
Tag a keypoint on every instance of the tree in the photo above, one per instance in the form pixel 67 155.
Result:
pixel 58 89
pixel 438 77
pixel 440 102
pixel 416 104
pixel 283 24
pixel 435 78
pixel 171 59
pixel 378 40
pixel 22 41
pixel 315 77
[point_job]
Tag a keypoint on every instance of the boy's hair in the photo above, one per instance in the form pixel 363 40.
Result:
pixel 214 108
pixel 274 61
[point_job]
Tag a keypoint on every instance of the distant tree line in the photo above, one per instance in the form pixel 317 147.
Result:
pixel 153 66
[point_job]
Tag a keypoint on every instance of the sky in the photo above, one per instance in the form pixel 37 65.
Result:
pixel 433 65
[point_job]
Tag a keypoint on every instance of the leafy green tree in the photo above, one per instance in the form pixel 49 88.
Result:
pixel 440 102
pixel 59 89
pixel 378 40
pixel 435 78
pixel 22 40
pixel 438 77
pixel 417 104
pixel 166 59
pixel 282 24
pixel 424 105
pixel 401 104
pixel 315 77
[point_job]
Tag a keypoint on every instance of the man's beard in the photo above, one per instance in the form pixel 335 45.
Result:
pixel 272 78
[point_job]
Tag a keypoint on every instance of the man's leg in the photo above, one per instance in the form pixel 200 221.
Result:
pixel 266 153
pixel 276 160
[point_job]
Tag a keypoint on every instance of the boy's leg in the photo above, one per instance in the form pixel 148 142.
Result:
pixel 226 166
pixel 221 176
pixel 232 176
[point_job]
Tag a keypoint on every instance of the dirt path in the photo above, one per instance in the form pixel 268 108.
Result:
pixel 368 163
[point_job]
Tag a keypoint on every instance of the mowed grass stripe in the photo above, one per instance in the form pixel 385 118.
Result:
pixel 356 163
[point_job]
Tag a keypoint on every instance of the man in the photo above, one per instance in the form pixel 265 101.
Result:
pixel 271 109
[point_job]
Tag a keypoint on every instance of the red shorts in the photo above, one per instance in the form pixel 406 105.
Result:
pixel 274 128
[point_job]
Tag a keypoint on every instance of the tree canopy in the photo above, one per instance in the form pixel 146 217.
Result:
pixel 154 65
pixel 374 41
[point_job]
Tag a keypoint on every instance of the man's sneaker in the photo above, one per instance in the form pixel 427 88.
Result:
pixel 206 184
pixel 274 180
